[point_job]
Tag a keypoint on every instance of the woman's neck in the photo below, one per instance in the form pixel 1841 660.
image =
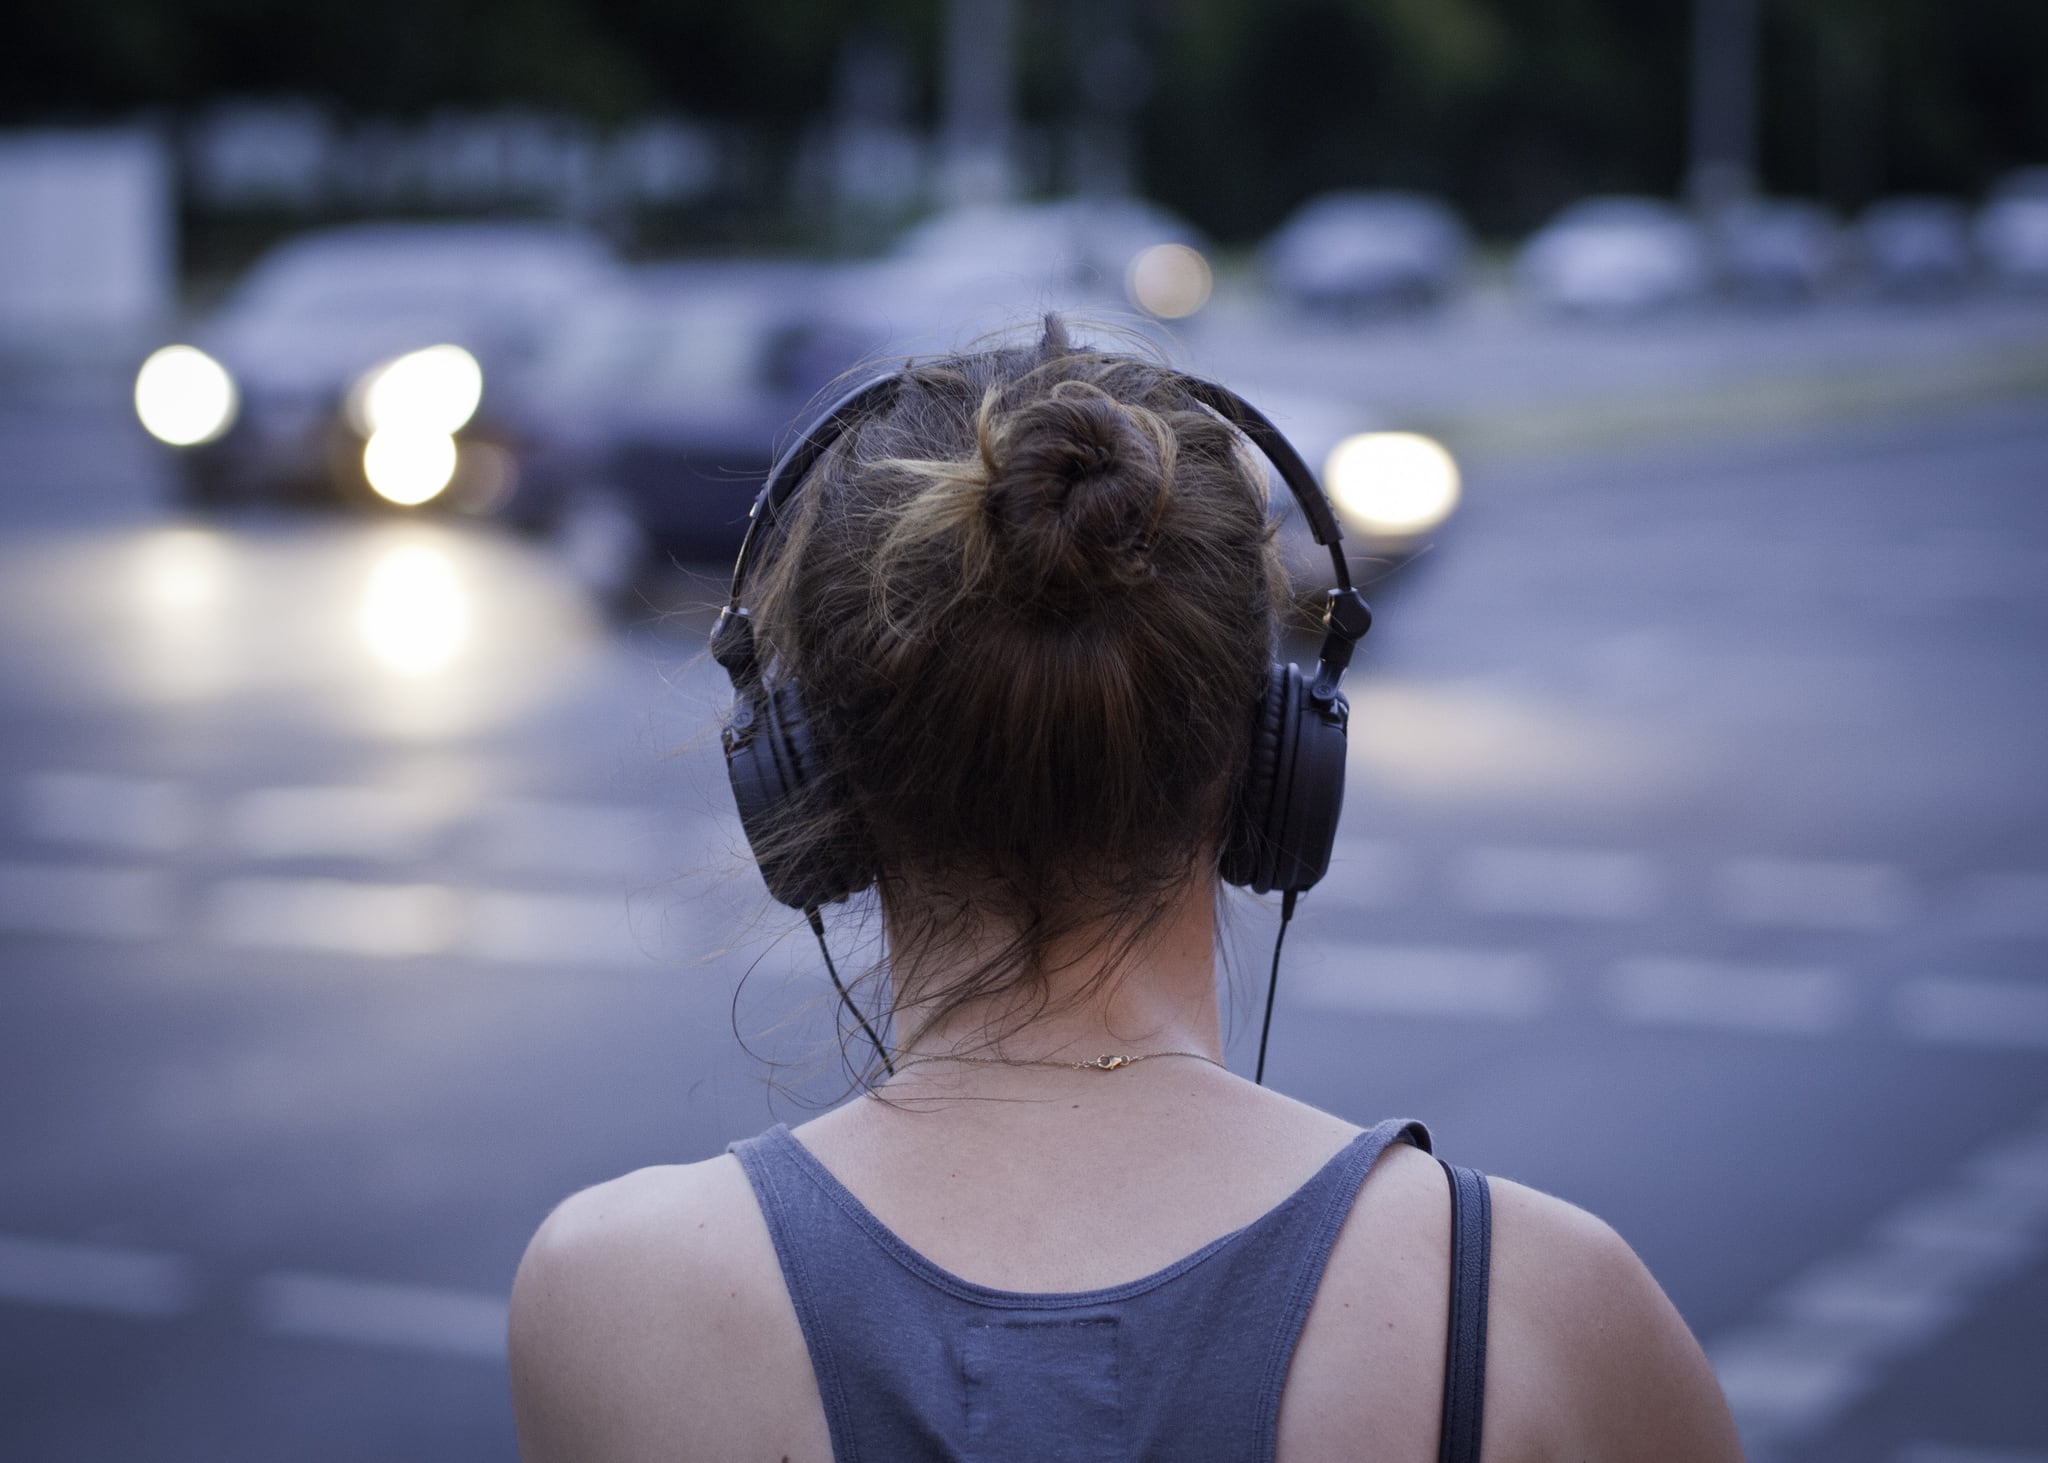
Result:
pixel 1160 995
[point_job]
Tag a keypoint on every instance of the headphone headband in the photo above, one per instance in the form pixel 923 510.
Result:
pixel 870 396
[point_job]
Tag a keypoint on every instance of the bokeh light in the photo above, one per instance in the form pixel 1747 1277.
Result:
pixel 1171 281
pixel 1393 483
pixel 408 465
pixel 432 390
pixel 184 396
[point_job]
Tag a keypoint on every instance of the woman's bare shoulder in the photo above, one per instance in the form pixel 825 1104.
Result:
pixel 647 1318
pixel 1584 1351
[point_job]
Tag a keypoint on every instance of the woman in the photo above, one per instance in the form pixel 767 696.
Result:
pixel 1030 599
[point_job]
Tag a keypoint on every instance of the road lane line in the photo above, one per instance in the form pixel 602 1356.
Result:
pixel 2006 905
pixel 1423 980
pixel 1828 1335
pixel 379 1313
pixel 378 823
pixel 1814 894
pixel 337 915
pixel 562 836
pixel 67 899
pixel 554 929
pixel 125 814
pixel 1973 1013
pixel 95 1277
pixel 1658 990
pixel 1558 882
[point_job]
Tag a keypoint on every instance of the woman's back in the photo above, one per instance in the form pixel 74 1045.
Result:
pixel 654 1318
pixel 1006 657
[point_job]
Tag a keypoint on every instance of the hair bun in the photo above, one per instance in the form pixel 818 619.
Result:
pixel 1077 484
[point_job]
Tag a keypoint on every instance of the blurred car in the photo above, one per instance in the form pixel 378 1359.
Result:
pixel 1915 247
pixel 661 404
pixel 1777 251
pixel 969 270
pixel 1354 253
pixel 1616 256
pixel 376 362
pixel 2012 230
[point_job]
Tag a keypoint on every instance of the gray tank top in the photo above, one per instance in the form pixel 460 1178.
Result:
pixel 915 1363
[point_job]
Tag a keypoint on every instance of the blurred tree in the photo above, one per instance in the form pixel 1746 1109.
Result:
pixel 1243 107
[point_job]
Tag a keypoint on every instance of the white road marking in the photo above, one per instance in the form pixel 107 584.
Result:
pixel 1814 894
pixel 94 1277
pixel 604 840
pixel 1366 874
pixel 1779 1378
pixel 1906 1289
pixel 62 899
pixel 554 929
pixel 338 915
pixel 1666 991
pixel 1830 1332
pixel 90 810
pixel 1424 980
pixel 2012 905
pixel 377 1313
pixel 1561 882
pixel 1973 1012
pixel 335 822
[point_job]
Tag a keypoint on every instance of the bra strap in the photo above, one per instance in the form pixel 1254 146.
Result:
pixel 1465 1345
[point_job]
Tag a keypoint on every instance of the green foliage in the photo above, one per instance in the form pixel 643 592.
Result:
pixel 1509 106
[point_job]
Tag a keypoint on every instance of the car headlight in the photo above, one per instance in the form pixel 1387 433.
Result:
pixel 408 466
pixel 431 390
pixel 1393 484
pixel 184 396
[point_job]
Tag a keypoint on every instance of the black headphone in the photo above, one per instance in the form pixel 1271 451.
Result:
pixel 1285 821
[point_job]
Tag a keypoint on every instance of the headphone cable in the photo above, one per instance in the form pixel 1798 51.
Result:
pixel 818 929
pixel 1273 983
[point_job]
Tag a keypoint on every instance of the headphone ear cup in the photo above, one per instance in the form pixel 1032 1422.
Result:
pixel 1246 849
pixel 1312 798
pixel 774 768
pixel 1286 821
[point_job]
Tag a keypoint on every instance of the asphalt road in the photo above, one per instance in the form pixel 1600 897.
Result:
pixel 362 893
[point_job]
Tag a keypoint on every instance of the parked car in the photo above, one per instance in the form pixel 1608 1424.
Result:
pixel 1616 256
pixel 969 270
pixel 1777 250
pixel 2012 230
pixel 1915 247
pixel 1354 253
pixel 377 362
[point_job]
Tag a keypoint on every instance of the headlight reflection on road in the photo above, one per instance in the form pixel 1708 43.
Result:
pixel 415 614
pixel 1394 483
pixel 184 396
pixel 181 570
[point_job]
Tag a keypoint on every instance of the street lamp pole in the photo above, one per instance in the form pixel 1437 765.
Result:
pixel 978 102
pixel 1723 123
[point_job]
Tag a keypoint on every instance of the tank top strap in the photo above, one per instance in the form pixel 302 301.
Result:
pixel 809 1232
pixel 1295 1256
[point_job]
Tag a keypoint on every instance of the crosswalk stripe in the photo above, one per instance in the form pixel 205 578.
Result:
pixel 94 1277
pixel 379 1313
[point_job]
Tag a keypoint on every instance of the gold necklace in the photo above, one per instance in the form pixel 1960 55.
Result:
pixel 1112 1062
